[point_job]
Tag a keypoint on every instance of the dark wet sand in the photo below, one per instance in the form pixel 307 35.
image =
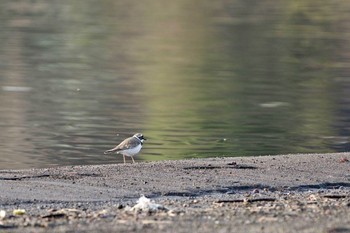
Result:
pixel 289 193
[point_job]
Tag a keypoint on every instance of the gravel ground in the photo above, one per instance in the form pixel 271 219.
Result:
pixel 286 193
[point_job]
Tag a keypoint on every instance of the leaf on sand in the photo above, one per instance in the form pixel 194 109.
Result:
pixel 19 212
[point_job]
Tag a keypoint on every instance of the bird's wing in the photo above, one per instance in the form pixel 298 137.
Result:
pixel 124 145
pixel 127 143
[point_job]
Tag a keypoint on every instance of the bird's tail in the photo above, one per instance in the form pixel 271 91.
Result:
pixel 109 151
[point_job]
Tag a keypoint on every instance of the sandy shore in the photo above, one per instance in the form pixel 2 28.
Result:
pixel 287 193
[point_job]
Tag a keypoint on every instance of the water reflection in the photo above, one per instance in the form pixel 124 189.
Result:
pixel 200 79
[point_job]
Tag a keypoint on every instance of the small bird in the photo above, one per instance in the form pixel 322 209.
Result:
pixel 129 147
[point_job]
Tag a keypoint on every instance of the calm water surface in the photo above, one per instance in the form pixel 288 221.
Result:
pixel 197 78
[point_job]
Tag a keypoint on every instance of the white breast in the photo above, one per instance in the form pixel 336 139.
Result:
pixel 131 151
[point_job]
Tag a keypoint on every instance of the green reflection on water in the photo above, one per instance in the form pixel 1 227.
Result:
pixel 199 78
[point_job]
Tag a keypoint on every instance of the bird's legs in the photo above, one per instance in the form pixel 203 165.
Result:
pixel 124 159
pixel 133 161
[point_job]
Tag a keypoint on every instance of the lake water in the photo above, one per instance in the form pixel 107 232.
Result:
pixel 197 78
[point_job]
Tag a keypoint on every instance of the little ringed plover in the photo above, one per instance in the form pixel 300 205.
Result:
pixel 129 147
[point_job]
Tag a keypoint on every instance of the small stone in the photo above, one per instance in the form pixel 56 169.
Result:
pixel 2 214
pixel 256 191
pixel 120 206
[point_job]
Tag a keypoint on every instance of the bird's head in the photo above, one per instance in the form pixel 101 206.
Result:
pixel 140 137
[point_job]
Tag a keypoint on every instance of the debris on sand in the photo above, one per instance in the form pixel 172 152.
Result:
pixel 19 212
pixel 146 204
pixel 343 160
